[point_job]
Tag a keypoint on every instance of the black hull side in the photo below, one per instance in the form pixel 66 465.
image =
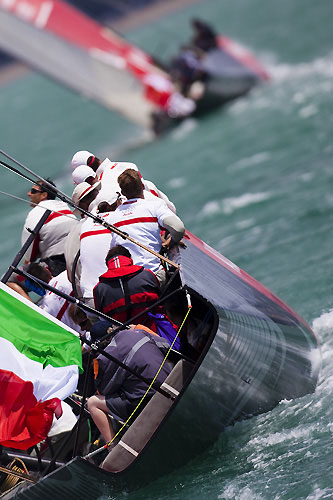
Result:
pixel 263 351
pixel 261 354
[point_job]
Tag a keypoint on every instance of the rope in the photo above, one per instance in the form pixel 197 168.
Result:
pixel 31 203
pixel 96 218
pixel 14 474
pixel 143 397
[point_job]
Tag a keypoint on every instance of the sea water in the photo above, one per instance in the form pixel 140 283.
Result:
pixel 254 180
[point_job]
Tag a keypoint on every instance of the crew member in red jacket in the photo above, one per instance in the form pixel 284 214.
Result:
pixel 125 289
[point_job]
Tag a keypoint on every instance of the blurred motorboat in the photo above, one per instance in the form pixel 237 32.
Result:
pixel 95 61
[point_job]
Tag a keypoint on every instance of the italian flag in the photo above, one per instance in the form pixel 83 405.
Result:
pixel 40 360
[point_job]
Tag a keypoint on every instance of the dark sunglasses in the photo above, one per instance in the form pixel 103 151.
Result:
pixel 34 191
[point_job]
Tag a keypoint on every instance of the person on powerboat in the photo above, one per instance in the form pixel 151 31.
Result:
pixel 204 37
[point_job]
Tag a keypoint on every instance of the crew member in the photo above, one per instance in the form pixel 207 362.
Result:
pixel 82 196
pixel 95 241
pixel 83 173
pixel 58 306
pixel 125 289
pixel 119 391
pixel 49 243
pixel 24 286
pixel 143 219
pixel 108 173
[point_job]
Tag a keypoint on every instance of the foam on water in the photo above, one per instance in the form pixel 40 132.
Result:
pixel 300 433
pixel 323 325
pixel 229 205
pixel 260 171
pixel 184 129
pixel 251 161
pixel 177 182
pixel 232 492
pixel 321 67
pixel 245 224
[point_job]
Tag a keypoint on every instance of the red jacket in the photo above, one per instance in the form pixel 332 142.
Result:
pixel 125 290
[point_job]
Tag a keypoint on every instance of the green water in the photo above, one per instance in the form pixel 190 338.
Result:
pixel 253 180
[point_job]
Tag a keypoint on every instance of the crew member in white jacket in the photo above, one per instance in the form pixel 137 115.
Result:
pixel 108 171
pixel 48 245
pixel 143 219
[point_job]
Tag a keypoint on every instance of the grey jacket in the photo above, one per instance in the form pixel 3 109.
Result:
pixel 122 390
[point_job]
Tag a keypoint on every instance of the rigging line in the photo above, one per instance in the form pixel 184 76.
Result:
pixel 49 187
pixel 25 246
pixel 84 398
pixel 60 194
pixel 95 347
pixel 75 300
pixel 53 461
pixel 65 296
pixel 96 218
pixel 31 203
pixel 16 197
pixel 55 189
pixel 24 167
pixel 13 169
pixel 105 447
pixel 133 318
pixel 118 325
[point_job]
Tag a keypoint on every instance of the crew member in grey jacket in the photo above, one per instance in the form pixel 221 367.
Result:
pixel 119 392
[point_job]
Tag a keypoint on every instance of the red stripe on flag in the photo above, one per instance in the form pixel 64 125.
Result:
pixel 136 220
pixel 24 422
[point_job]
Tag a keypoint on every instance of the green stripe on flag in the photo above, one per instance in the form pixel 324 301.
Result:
pixel 36 336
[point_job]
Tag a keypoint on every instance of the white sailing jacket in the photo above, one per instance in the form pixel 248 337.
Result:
pixel 108 173
pixel 56 305
pixel 143 220
pixel 95 243
pixel 50 240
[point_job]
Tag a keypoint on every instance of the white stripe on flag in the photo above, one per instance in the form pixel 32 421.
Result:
pixel 49 382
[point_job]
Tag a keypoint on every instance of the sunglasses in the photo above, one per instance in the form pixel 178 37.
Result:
pixel 34 191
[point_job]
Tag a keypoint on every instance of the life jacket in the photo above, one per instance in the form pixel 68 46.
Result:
pixel 125 290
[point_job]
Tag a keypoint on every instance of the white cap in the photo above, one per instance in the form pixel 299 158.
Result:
pixel 81 191
pixel 110 199
pixel 108 195
pixel 80 158
pixel 81 173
